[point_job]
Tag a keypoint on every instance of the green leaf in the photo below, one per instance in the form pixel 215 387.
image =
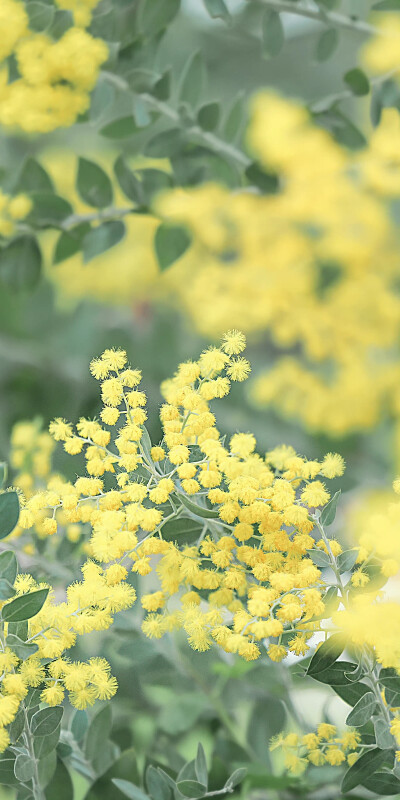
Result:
pixel 21 648
pixel 337 674
pixel 17 726
pixel 19 629
pixel 390 679
pixel 267 719
pixel 326 655
pixel 60 786
pixel 200 511
pixel 125 768
pixel 376 107
pixel 98 731
pixel 3 473
pixel 153 182
pixel 6 590
pixel 46 721
pixel 128 181
pixel 46 768
pixel 362 711
pixel 273 35
pixel 319 558
pixel 382 784
pixel 156 15
pixel 40 15
pixel 192 80
pixel 20 263
pixel 101 98
pixel 165 144
pixel 79 725
pixel 327 44
pixel 167 778
pixel 121 128
pixel 102 238
pixel 357 81
pixel 237 776
pixel 384 739
pixel 130 790
pixel 268 182
pixel 170 243
pixel 70 242
pixel 9 513
pixel 8 566
pixel 191 789
pixel 24 607
pixel 342 128
pixel 187 772
pixel 7 775
pixel 63 20
pixel 328 513
pixel 24 768
pixel 235 119
pixel 48 209
pixel 183 530
pixel 33 178
pixel 156 785
pixel 93 184
pixel 346 560
pixel 201 765
pixel 386 5
pixel 141 113
pixel 351 693
pixel 365 766
pixel 208 116
pixel 162 87
pixel 141 80
pixel 43 745
pixel 217 9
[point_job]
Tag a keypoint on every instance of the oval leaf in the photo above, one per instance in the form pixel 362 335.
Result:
pixel 46 721
pixel 273 35
pixel 21 263
pixel 8 566
pixel 9 513
pixel 328 513
pixel 120 128
pixel 365 766
pixel 171 242
pixel 192 789
pixel 93 184
pixel 102 238
pixel 24 607
pixel 327 654
pixel 362 711
pixel 130 790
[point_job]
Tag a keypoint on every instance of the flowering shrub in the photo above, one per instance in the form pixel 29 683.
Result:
pixel 239 546
pixel 177 590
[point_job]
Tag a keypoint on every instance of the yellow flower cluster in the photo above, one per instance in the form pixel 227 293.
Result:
pixel 333 259
pixel 380 54
pixel 373 625
pixel 89 606
pixel 55 77
pixel 12 209
pixel 251 515
pixel 322 747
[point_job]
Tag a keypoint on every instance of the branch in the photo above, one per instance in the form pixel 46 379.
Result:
pixel 319 15
pixel 203 137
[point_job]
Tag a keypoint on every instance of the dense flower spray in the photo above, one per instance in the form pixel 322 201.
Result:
pixel 235 540
pixel 55 77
